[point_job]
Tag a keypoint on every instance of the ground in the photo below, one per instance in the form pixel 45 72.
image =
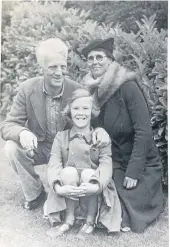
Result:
pixel 20 228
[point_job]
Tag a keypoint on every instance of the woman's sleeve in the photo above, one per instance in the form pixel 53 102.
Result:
pixel 139 114
pixel 55 164
pixel 103 173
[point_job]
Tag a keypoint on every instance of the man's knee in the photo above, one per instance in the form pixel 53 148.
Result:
pixel 14 151
pixel 86 175
pixel 11 148
pixel 69 176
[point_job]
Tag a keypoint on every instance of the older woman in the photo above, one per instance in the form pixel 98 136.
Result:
pixel 80 176
pixel 124 115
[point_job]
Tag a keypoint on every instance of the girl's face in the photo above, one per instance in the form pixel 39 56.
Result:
pixel 98 62
pixel 81 112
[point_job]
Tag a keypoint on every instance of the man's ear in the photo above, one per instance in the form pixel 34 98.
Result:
pixel 40 69
pixel 110 60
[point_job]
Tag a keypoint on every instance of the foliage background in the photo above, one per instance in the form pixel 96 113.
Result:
pixel 124 12
pixel 140 33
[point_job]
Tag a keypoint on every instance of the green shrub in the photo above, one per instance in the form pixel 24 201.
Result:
pixel 124 12
pixel 6 13
pixel 144 51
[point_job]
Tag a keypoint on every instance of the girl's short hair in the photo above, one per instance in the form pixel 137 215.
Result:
pixel 77 94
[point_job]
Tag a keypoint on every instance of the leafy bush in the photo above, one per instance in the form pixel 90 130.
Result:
pixel 144 51
pixel 6 13
pixel 124 12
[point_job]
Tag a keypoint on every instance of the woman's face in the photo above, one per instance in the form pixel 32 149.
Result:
pixel 81 112
pixel 98 62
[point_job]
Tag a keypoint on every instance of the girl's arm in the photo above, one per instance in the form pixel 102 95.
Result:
pixel 103 173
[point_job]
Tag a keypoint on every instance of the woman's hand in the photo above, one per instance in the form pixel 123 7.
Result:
pixel 89 189
pixel 100 138
pixel 129 183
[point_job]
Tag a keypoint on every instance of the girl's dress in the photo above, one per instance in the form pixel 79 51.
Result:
pixel 71 149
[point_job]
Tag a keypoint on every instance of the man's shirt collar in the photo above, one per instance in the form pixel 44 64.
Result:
pixel 57 96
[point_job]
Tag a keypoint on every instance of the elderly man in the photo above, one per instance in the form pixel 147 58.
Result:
pixel 35 118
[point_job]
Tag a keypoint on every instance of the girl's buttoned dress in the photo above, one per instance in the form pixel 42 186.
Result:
pixel 71 149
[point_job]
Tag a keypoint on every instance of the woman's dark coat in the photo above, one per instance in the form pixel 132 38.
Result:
pixel 124 115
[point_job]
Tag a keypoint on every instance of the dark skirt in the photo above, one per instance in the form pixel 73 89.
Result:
pixel 142 205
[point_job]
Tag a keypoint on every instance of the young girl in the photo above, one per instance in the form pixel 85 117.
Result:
pixel 80 176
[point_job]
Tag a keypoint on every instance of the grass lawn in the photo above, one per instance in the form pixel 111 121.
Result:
pixel 22 228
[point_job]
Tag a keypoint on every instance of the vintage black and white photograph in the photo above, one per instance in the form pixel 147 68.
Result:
pixel 83 124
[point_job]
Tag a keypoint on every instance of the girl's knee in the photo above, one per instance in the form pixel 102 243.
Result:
pixel 86 175
pixel 69 176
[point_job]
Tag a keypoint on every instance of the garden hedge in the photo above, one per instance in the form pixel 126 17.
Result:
pixel 124 12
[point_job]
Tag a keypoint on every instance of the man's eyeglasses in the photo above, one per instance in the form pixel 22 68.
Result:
pixel 98 58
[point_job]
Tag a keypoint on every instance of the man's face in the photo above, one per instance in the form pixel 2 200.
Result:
pixel 81 112
pixel 98 62
pixel 54 71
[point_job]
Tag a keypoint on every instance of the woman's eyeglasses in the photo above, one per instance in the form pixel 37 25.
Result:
pixel 98 58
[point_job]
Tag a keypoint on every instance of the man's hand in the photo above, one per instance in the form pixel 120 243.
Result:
pixel 100 138
pixel 89 189
pixel 28 140
pixel 129 183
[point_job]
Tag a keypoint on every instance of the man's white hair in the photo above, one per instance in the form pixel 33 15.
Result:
pixel 54 48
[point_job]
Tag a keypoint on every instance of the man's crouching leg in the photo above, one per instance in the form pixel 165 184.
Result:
pixel 23 163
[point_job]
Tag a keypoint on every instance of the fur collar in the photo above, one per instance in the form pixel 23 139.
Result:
pixel 104 87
